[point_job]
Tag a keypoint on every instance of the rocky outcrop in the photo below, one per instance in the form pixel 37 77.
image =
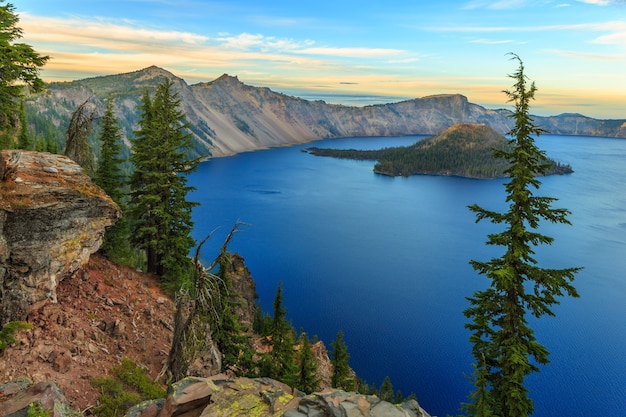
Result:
pixel 52 217
pixel 244 289
pixel 221 395
pixel 18 396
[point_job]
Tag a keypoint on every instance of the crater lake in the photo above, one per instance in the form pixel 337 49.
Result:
pixel 386 260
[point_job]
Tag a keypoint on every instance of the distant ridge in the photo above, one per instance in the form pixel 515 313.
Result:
pixel 229 117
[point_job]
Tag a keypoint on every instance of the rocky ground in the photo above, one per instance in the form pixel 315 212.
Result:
pixel 104 313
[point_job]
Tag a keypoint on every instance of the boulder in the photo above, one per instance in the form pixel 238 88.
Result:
pixel 17 396
pixel 221 395
pixel 52 217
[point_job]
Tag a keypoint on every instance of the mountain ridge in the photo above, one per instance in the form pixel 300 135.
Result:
pixel 227 116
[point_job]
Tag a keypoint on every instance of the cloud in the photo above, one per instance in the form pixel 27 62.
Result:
pixel 597 2
pixel 495 5
pixel 588 55
pixel 492 42
pixel 352 52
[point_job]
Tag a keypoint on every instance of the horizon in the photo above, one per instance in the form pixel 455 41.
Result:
pixel 349 52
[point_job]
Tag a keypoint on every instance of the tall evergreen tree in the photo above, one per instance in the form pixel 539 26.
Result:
pixel 341 377
pixel 20 66
pixel 386 390
pixel 232 341
pixel 23 139
pixel 280 363
pixel 504 346
pixel 160 210
pixel 108 175
pixel 307 366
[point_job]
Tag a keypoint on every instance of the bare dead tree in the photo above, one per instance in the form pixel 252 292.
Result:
pixel 197 314
pixel 77 147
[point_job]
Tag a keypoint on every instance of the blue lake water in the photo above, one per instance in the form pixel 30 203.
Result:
pixel 386 261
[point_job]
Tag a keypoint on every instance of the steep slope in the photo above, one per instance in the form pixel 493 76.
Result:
pixel 228 116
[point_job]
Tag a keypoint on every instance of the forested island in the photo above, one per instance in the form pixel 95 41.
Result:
pixel 464 150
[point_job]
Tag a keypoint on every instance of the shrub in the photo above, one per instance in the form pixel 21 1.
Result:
pixel 130 385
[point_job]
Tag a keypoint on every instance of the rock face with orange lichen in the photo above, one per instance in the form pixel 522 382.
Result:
pixel 52 217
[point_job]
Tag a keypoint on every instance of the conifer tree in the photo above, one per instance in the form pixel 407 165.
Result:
pixel 386 390
pixel 160 210
pixel 307 366
pixel 280 363
pixel 231 340
pixel 23 139
pixel 341 377
pixel 108 175
pixel 504 346
pixel 20 66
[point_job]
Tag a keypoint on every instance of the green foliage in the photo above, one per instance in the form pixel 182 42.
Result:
pixel 37 410
pixel 262 321
pixel 204 311
pixel 23 139
pixel 386 390
pixel 161 213
pixel 231 340
pixel 116 243
pixel 503 344
pixel 341 377
pixel 7 332
pixel 280 363
pixel 307 367
pixel 20 66
pixel 466 151
pixel 129 386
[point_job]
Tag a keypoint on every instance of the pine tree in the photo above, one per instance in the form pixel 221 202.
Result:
pixel 280 363
pixel 307 367
pixel 341 369
pixel 108 175
pixel 23 139
pixel 386 390
pixel 20 66
pixel 231 340
pixel 160 210
pixel 504 346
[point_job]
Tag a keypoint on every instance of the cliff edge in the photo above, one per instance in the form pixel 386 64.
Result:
pixel 52 217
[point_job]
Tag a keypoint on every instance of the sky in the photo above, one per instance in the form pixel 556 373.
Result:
pixel 350 52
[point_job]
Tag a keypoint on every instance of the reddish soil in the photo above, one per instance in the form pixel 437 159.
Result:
pixel 104 313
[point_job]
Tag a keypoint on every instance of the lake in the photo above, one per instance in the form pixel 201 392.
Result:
pixel 386 260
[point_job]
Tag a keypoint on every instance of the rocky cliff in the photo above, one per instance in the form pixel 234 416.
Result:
pixel 52 217
pixel 228 116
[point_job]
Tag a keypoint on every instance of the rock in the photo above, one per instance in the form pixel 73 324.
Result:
pixel 62 362
pixel 52 217
pixel 244 287
pixel 187 395
pixel 221 395
pixel 22 393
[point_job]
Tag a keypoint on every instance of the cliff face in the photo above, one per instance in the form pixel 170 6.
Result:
pixel 52 217
pixel 227 116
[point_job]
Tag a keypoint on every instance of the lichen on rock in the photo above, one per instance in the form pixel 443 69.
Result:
pixel 52 218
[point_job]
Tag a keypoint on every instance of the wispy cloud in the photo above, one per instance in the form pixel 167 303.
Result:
pixel 597 2
pixel 495 5
pixel 492 41
pixel 352 52
pixel 588 55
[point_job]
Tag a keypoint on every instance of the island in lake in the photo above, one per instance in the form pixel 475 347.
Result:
pixel 464 150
